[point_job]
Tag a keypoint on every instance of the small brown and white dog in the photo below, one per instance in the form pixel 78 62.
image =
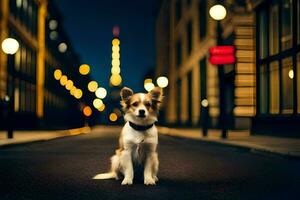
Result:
pixel 138 140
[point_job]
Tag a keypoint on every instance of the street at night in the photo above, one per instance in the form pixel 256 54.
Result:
pixel 63 169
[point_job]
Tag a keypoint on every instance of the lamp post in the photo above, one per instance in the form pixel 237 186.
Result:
pixel 218 13
pixel 10 46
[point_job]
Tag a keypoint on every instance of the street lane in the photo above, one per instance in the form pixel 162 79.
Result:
pixel 63 169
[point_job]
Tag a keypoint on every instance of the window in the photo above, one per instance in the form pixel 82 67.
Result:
pixel 273 33
pixel 178 53
pixel 263 89
pixel 274 87
pixel 286 28
pixel 178 10
pixel 287 85
pixel 262 34
pixel 190 37
pixel 202 18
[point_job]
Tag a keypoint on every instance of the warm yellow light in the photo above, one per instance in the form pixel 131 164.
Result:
pixel 97 103
pixel 291 74
pixel 87 111
pixel 217 12
pixel 73 89
pixel 69 85
pixel 92 86
pixel 113 117
pixel 115 70
pixel 10 46
pixel 84 69
pixel 116 42
pixel 115 79
pixel 204 103
pixel 63 80
pixel 101 93
pixel 62 47
pixel 162 81
pixel 115 62
pixel 116 48
pixel 115 55
pixel 149 86
pixel 102 108
pixel 148 80
pixel 78 93
pixel 57 74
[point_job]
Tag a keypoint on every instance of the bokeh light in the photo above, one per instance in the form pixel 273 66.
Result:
pixel 162 81
pixel 113 117
pixel 92 86
pixel 72 90
pixel 87 111
pixel 115 70
pixel 217 12
pixel 69 85
pixel 63 80
pixel 84 69
pixel 97 103
pixel 57 74
pixel 78 93
pixel 115 79
pixel 102 108
pixel 101 92
pixel 149 86
pixel 115 42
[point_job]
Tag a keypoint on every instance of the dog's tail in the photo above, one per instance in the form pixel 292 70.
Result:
pixel 109 175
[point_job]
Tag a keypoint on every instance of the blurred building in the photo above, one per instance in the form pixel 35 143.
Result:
pixel 262 92
pixel 40 99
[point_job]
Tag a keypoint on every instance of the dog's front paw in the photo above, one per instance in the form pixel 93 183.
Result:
pixel 126 181
pixel 149 181
pixel 155 178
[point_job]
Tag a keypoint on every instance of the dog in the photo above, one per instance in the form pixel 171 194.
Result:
pixel 139 138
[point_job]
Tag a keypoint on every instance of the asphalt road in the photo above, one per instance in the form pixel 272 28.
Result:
pixel 63 169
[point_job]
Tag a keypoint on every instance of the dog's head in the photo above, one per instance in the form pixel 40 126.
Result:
pixel 141 108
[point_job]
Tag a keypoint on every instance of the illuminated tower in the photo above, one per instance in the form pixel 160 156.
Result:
pixel 115 78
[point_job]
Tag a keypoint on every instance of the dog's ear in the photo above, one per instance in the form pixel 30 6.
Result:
pixel 156 96
pixel 125 94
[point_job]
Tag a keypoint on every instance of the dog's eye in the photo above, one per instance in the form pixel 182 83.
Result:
pixel 147 104
pixel 135 104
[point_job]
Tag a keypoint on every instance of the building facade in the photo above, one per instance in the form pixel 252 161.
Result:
pixel 185 32
pixel 40 100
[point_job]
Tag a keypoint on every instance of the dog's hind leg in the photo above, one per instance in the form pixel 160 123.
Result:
pixel 115 165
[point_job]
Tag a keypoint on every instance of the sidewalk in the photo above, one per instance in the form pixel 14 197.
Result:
pixel 22 137
pixel 288 147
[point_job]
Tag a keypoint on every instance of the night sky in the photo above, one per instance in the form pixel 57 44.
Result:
pixel 89 26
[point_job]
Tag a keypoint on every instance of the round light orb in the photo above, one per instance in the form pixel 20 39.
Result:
pixel 113 117
pixel 10 46
pixel 148 80
pixel 102 108
pixel 116 48
pixel 57 74
pixel 116 42
pixel 84 69
pixel 115 70
pixel 72 90
pixel 97 103
pixel 217 12
pixel 115 62
pixel 115 55
pixel 63 80
pixel 291 74
pixel 204 103
pixel 115 79
pixel 53 35
pixel 62 47
pixel 101 93
pixel 162 81
pixel 149 86
pixel 78 93
pixel 52 24
pixel 92 86
pixel 69 85
pixel 87 111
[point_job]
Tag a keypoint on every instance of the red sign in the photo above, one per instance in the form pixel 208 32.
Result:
pixel 222 55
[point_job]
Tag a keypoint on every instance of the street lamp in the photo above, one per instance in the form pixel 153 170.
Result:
pixel 218 13
pixel 10 46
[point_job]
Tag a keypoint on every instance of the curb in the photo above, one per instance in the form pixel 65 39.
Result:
pixel 64 134
pixel 263 151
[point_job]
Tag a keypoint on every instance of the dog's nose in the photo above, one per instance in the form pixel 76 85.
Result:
pixel 141 112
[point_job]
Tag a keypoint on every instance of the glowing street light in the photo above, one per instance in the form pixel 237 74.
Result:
pixel 217 12
pixel 84 69
pixel 10 46
pixel 162 81
pixel 57 74
pixel 92 86
pixel 97 103
pixel 101 92
pixel 87 111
